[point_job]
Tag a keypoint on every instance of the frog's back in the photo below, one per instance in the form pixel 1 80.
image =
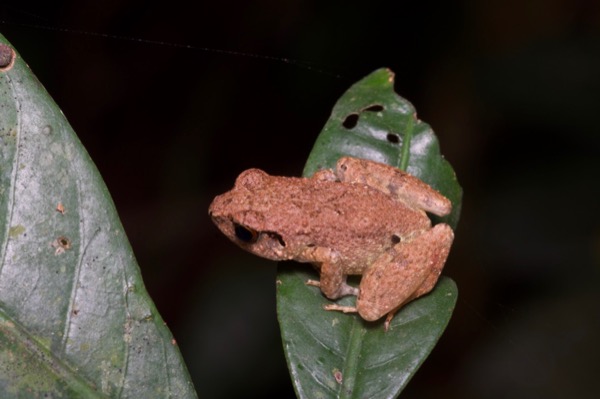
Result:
pixel 356 220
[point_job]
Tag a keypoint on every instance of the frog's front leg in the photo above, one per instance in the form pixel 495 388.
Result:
pixel 407 271
pixel 333 280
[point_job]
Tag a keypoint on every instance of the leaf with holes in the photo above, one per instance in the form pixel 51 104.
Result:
pixel 335 355
pixel 75 318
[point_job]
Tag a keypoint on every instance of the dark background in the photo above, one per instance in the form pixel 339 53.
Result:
pixel 512 89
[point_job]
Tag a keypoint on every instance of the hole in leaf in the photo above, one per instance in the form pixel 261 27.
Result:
pixel 351 121
pixel 7 57
pixel 374 108
pixel 393 138
pixel 61 244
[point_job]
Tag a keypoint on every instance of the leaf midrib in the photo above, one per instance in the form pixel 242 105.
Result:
pixel 11 191
pixel 353 355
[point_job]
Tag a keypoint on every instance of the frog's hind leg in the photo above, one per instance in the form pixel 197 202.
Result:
pixel 407 271
pixel 394 182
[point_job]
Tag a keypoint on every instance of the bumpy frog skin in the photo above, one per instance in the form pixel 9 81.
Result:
pixel 364 218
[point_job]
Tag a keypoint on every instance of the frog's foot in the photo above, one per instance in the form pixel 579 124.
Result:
pixel 314 283
pixel 340 308
pixel 353 309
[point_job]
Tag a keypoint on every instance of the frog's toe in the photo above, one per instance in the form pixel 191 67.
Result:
pixel 313 283
pixel 340 308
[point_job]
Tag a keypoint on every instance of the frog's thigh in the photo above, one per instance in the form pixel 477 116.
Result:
pixel 394 182
pixel 407 271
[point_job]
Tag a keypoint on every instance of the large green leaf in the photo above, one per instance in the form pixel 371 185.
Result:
pixel 75 318
pixel 334 355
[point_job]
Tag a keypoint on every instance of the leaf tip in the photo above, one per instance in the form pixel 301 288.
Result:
pixel 391 75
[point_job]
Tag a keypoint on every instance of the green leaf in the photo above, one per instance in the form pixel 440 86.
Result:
pixel 335 355
pixel 75 318
pixel 383 127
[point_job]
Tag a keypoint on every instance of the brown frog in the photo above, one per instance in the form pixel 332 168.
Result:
pixel 364 218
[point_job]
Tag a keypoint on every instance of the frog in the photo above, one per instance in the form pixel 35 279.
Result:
pixel 362 218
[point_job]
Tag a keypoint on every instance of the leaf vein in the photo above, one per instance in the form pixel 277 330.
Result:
pixel 15 164
pixel 351 366
pixel 316 338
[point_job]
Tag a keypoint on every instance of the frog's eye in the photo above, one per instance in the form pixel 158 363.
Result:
pixel 245 234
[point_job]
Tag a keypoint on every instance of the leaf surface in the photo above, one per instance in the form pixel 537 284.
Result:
pixel 335 355
pixel 75 318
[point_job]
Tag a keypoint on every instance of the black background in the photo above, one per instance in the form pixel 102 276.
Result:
pixel 171 111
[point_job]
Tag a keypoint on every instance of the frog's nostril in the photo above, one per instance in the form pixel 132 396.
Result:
pixel 396 239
